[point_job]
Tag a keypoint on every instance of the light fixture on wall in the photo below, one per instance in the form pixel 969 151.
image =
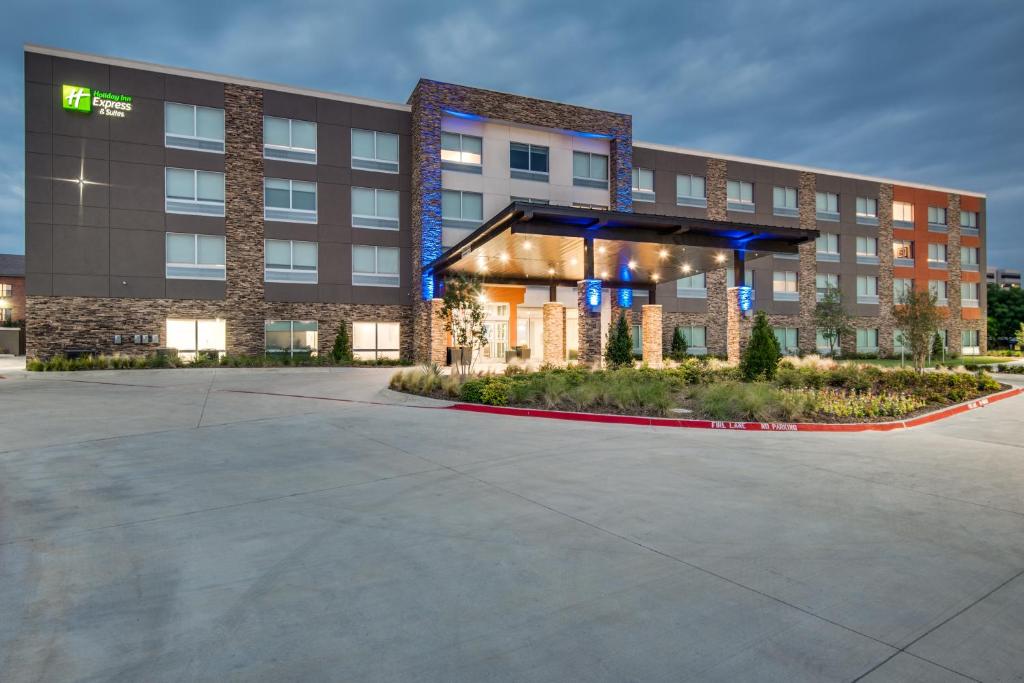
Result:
pixel 80 181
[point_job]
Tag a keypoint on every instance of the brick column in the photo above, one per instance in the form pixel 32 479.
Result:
pixel 955 323
pixel 651 332
pixel 733 325
pixel 589 328
pixel 886 319
pixel 554 332
pixel 808 284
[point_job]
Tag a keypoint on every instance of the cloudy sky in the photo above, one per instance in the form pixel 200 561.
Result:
pixel 930 91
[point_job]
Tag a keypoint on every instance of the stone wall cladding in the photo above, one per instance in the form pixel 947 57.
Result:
pixel 885 266
pixel 590 331
pixel 808 262
pixel 652 331
pixel 554 332
pixel 956 323
pixel 715 186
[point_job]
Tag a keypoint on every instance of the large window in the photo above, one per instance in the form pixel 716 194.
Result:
pixel 194 257
pixel 867 340
pixel 788 338
pixel 903 252
pixel 692 287
pixel 373 341
pixel 902 287
pixel 739 196
pixel 827 246
pixel 374 151
pixel 969 258
pixel 187 126
pixel 867 211
pixel 289 140
pixel 867 289
pixel 461 152
pixel 690 190
pixel 939 289
pixel 902 214
pixel 194 192
pixel 374 209
pixel 969 294
pixel 696 339
pixel 589 170
pixel 824 282
pixel 900 342
pixel 867 250
pixel 784 286
pixel 937 256
pixel 291 337
pixel 290 261
pixel 826 205
pixel 291 201
pixel 969 222
pixel 821 343
pixel 461 214
pixel 375 266
pixel 190 336
pixel 969 342
pixel 643 185
pixel 937 219
pixel 528 162
pixel 784 201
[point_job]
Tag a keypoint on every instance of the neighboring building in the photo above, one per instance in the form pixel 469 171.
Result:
pixel 12 288
pixel 1003 277
pixel 166 207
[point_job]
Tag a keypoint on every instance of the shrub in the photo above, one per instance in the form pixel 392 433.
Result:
pixel 619 350
pixel 342 349
pixel 761 359
pixel 472 391
pixel 495 391
pixel 679 349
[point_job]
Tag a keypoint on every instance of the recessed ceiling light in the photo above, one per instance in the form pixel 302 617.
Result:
pixel 631 265
pixel 503 257
pixel 686 268
pixel 602 249
pixel 551 271
pixel 663 253
pixel 655 277
pixel 527 246
pixel 720 258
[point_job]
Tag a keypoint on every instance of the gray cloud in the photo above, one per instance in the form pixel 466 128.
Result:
pixel 923 90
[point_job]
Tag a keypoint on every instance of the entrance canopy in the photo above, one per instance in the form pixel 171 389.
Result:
pixel 529 243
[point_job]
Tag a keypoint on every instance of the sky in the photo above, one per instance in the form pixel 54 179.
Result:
pixel 927 91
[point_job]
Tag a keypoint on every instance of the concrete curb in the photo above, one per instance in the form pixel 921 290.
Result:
pixel 743 426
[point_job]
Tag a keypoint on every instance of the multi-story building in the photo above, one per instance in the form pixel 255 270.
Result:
pixel 12 288
pixel 1003 277
pixel 167 207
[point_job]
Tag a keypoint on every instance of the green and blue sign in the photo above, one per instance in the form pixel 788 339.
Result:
pixel 83 100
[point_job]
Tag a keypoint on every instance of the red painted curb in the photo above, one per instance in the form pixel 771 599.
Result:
pixel 741 426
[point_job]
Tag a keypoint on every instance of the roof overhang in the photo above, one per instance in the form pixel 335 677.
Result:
pixel 529 243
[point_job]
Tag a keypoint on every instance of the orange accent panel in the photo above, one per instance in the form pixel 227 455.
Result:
pixel 970 314
pixel 921 199
pixel 512 296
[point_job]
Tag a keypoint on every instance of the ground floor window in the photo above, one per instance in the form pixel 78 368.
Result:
pixel 787 338
pixel 638 340
pixel 900 344
pixel 867 340
pixel 371 341
pixel 696 339
pixel 822 344
pixel 969 342
pixel 298 338
pixel 190 336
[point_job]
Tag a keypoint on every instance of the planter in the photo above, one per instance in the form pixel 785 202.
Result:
pixel 459 355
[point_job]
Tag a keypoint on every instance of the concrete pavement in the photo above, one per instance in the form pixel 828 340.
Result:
pixel 199 525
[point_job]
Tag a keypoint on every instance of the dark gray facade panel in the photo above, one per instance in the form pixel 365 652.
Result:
pixel 304 232
pixel 145 124
pixel 138 83
pixel 39 143
pixel 193 91
pixel 80 148
pixel 136 187
pixel 81 250
pixel 137 253
pixel 200 161
pixel 334 204
pixel 290 292
pixel 38 284
pixel 136 287
pixel 335 263
pixel 81 285
pixel 38 212
pixel 273 168
pixel 289 106
pixel 201 225
pixel 95 171
pixel 130 219
pixel 39 177
pixel 69 214
pixel 195 289
pixel 38 68
pixel 39 102
pixel 334 112
pixel 334 145
pixel 79 72
pixel 38 248
pixel 138 154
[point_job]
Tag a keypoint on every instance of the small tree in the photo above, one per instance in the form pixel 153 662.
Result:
pixel 937 348
pixel 619 350
pixel 832 318
pixel 341 352
pixel 462 311
pixel 761 359
pixel 679 348
pixel 1020 337
pixel 919 318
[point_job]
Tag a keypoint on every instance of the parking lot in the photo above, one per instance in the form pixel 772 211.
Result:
pixel 306 524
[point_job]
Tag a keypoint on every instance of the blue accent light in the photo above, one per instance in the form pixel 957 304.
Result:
pixel 592 293
pixel 595 136
pixel 463 115
pixel 428 286
pixel 625 297
pixel 745 298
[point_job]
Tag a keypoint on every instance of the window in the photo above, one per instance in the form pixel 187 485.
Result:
pixel 900 342
pixel 969 293
pixel 969 222
pixel 375 266
pixel 903 252
pixel 289 140
pixel 191 336
pixel 194 257
pixel 824 282
pixel 587 205
pixel 787 338
pixel 461 214
pixel 194 192
pixel 373 151
pixel 739 196
pixel 867 211
pixel 867 289
pixel 902 287
pixel 969 342
pixel 969 258
pixel 690 190
pixel 461 152
pixel 187 126
pixel 784 201
pixel 373 341
pixel 528 162
pixel 291 337
pixel 532 200
pixel 374 209
pixel 826 206
pixel 867 250
pixel 643 185
pixel 936 219
pixel 867 340
pixel 937 256
pixel 6 289
pixel 784 286
pixel 589 170
pixel 696 339
pixel 938 289
pixel 821 343
pixel 290 261
pixel 902 214
pixel 827 245
pixel 292 201
pixel 637 337
pixel 692 287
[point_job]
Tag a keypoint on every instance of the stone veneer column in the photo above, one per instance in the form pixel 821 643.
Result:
pixel 955 323
pixel 733 326
pixel 430 340
pixel 886 319
pixel 589 328
pixel 651 333
pixel 243 218
pixel 808 284
pixel 716 280
pixel 554 332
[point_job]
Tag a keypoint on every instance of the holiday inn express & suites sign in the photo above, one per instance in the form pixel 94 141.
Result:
pixel 84 100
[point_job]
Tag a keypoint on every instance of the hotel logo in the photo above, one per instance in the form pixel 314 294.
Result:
pixel 77 98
